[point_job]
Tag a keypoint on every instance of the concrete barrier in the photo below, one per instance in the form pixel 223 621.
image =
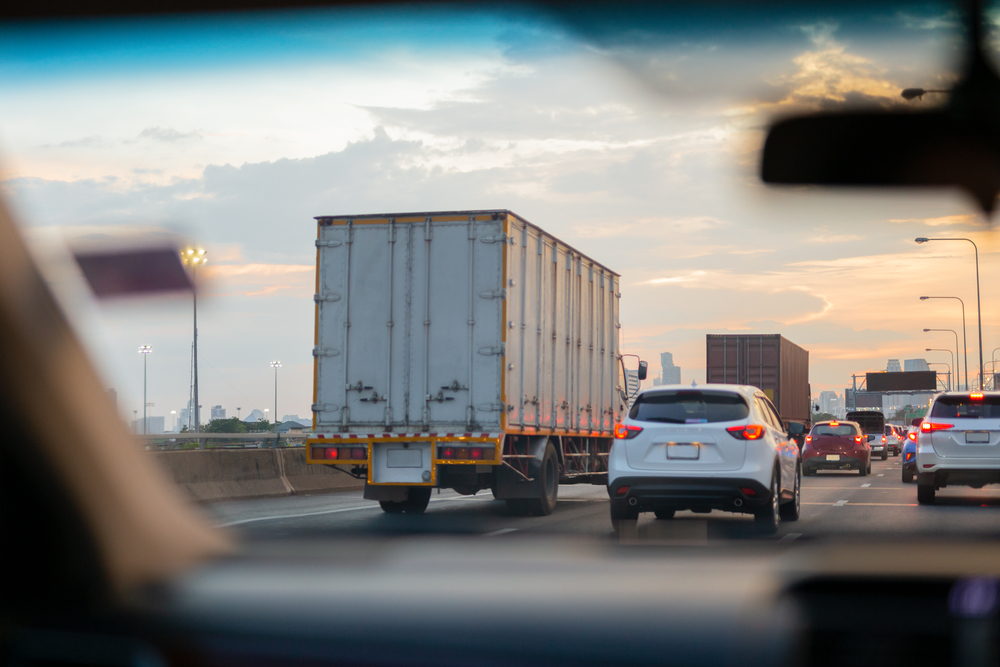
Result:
pixel 305 478
pixel 221 474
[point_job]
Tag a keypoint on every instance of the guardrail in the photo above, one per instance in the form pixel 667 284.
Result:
pixel 263 439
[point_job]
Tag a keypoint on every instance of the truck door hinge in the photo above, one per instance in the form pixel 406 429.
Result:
pixel 325 407
pixel 502 238
pixel 325 352
pixel 328 244
pixel 493 294
pixel 490 407
pixel 329 296
pixel 493 350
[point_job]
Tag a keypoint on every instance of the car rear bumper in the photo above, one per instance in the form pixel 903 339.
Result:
pixel 944 476
pixel 731 494
pixel 814 463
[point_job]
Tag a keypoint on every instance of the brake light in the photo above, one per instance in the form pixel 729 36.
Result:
pixel 748 432
pixel 834 423
pixel 912 436
pixel 976 396
pixel 909 455
pixel 809 438
pixel 626 431
pixel 467 453
pixel 927 427
pixel 884 440
pixel 858 439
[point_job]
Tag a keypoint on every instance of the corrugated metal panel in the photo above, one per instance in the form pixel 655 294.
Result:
pixel 470 320
pixel 768 361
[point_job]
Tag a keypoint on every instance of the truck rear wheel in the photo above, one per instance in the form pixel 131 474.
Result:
pixel 418 499
pixel 391 506
pixel 548 477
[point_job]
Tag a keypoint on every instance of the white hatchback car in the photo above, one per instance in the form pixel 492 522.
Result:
pixel 713 447
pixel 959 443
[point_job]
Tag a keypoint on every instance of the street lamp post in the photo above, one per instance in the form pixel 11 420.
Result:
pixel 193 257
pixel 275 365
pixel 958 358
pixel 965 340
pixel 979 303
pixel 941 349
pixel 144 350
pixel 941 363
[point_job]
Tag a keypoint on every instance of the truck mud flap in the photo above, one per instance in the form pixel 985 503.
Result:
pixel 396 494
pixel 511 483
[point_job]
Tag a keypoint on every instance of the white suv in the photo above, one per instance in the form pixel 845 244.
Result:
pixel 959 443
pixel 713 447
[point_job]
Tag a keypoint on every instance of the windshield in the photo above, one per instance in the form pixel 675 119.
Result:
pixel 846 430
pixel 432 244
pixel 689 407
pixel 963 407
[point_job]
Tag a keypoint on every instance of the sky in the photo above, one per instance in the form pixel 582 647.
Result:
pixel 637 142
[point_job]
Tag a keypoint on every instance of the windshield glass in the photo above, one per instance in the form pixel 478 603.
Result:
pixel 689 407
pixel 432 244
pixel 840 430
pixel 963 407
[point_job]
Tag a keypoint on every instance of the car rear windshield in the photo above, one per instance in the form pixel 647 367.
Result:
pixel 963 407
pixel 839 429
pixel 689 407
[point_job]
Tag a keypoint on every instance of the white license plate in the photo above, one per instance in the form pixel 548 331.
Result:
pixel 833 457
pixel 688 452
pixel 403 458
pixel 978 437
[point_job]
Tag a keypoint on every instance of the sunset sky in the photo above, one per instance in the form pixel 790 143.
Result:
pixel 233 133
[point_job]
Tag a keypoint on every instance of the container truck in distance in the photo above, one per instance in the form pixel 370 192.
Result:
pixel 770 362
pixel 467 350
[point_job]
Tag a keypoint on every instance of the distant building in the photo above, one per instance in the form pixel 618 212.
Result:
pixel 291 426
pixel 911 365
pixel 830 403
pixel 153 425
pixel 295 418
pixel 254 416
pixel 218 412
pixel 893 366
pixel 669 373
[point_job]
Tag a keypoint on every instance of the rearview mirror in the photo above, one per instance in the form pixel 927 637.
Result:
pixel 642 370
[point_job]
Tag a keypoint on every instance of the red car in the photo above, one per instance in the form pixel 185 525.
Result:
pixel 836 445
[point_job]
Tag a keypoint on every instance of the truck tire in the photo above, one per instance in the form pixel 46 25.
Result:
pixel 925 494
pixel 767 518
pixel 417 501
pixel 391 506
pixel 548 492
pixel 620 512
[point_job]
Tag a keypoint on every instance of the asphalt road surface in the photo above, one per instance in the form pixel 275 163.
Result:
pixel 833 503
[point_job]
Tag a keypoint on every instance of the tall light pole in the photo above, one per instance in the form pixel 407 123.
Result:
pixel 193 257
pixel 957 359
pixel 965 340
pixel 941 349
pixel 275 365
pixel 979 303
pixel 144 350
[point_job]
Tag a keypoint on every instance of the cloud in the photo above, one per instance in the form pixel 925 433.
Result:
pixel 945 220
pixel 168 135
pixel 92 142
pixel 835 238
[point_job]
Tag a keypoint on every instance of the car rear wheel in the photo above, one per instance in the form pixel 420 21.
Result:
pixel 790 511
pixel 768 517
pixel 907 477
pixel 885 454
pixel 925 494
pixel 664 515
pixel 620 511
pixel 864 469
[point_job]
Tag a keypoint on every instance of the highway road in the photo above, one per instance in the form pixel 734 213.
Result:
pixel 834 503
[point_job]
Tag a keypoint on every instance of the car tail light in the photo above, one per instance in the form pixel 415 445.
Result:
pixel 884 440
pixel 748 432
pixel 912 436
pixel 908 456
pixel 626 432
pixel 747 491
pixel 927 427
pixel 809 438
pixel 834 423
pixel 976 396
pixel 622 490
pixel 858 439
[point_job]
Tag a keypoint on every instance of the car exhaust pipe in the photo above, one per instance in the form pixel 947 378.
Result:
pixel 738 502
pixel 633 502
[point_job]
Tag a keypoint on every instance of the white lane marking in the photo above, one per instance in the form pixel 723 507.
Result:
pixel 336 511
pixel 881 475
pixel 502 531
pixel 790 536
pixel 840 503
pixel 865 486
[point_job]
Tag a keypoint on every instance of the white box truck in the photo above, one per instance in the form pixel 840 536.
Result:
pixel 466 350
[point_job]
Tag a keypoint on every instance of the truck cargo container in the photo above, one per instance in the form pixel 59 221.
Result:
pixel 467 350
pixel 770 362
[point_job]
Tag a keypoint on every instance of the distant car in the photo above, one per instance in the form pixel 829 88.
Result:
pixel 910 451
pixel 893 439
pixel 836 445
pixel 959 443
pixel 872 424
pixel 715 447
